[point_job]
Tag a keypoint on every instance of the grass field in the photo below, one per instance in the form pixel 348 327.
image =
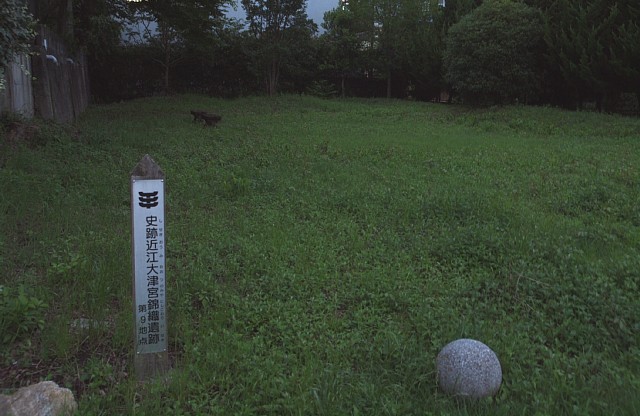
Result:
pixel 321 253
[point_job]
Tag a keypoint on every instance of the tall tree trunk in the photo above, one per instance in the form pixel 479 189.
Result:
pixel 165 80
pixel 165 42
pixel 599 101
pixel 273 73
pixel 167 64
pixel 389 85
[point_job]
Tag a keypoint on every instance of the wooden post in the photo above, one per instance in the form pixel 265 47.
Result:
pixel 148 248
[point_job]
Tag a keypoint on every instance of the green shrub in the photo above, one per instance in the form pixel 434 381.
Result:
pixel 491 53
pixel 20 313
pixel 322 89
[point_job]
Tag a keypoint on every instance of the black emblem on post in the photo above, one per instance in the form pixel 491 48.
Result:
pixel 148 200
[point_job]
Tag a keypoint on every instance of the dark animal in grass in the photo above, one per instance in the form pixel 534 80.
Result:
pixel 209 119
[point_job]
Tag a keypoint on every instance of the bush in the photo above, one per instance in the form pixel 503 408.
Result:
pixel 20 314
pixel 322 89
pixel 491 53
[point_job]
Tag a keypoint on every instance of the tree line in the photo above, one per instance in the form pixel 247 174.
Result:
pixel 560 52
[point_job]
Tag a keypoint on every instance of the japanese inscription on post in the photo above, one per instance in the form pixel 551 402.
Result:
pixel 149 265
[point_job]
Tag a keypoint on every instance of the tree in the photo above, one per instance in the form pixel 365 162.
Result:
pixel 342 44
pixel 97 26
pixel 98 23
pixel 362 37
pixel 625 56
pixel 421 45
pixel 593 48
pixel 390 36
pixel 179 23
pixel 277 28
pixel 16 32
pixel 301 61
pixel 399 40
pixel 490 54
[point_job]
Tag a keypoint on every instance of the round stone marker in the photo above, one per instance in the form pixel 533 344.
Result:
pixel 468 368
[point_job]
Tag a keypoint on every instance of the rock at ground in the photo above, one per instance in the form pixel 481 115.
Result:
pixel 468 369
pixel 42 399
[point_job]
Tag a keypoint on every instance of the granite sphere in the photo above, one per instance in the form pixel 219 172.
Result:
pixel 469 369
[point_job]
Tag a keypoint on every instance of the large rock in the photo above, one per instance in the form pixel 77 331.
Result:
pixel 468 369
pixel 42 399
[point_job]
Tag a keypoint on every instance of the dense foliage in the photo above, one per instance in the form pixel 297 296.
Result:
pixel 491 53
pixel 496 51
pixel 16 32
pixel 593 49
pixel 280 30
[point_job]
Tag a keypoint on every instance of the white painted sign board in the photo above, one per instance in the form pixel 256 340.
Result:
pixel 149 265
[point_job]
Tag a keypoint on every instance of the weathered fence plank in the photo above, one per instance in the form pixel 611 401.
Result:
pixel 17 97
pixel 59 89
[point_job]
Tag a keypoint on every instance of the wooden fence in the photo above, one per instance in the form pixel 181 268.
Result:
pixel 17 97
pixel 57 87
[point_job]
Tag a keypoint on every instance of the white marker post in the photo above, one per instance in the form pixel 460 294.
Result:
pixel 148 244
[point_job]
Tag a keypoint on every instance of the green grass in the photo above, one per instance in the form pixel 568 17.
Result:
pixel 321 253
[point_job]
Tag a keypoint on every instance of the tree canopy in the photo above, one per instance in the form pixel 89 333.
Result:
pixel 279 29
pixel 592 47
pixel 492 51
